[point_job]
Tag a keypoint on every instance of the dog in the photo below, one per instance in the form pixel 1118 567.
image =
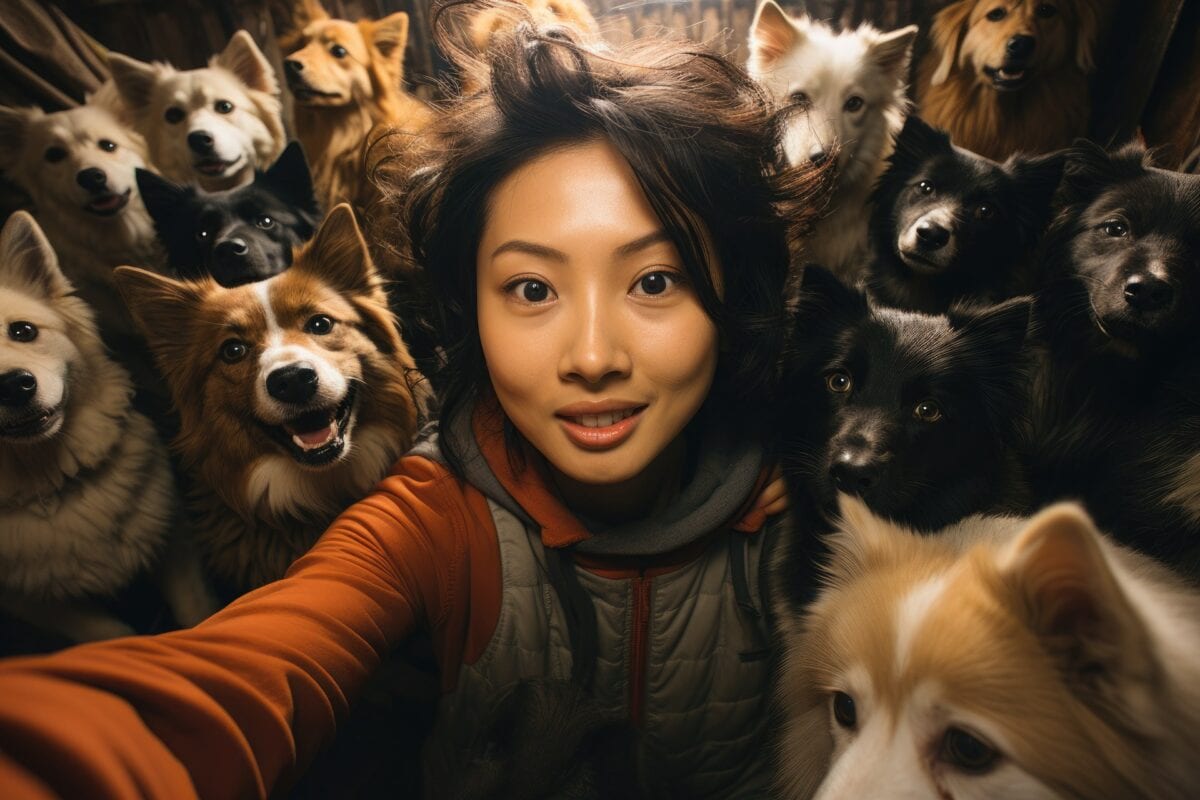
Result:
pixel 238 235
pixel 916 414
pixel 293 395
pixel 346 78
pixel 1116 394
pixel 844 99
pixel 489 21
pixel 78 167
pixel 1013 76
pixel 950 226
pixel 212 126
pixel 87 497
pixel 1005 657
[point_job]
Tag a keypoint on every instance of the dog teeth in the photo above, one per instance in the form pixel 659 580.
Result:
pixel 313 440
pixel 603 420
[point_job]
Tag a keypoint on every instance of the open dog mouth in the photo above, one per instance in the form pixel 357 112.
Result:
pixel 108 203
pixel 1007 78
pixel 34 426
pixel 215 166
pixel 318 437
pixel 305 93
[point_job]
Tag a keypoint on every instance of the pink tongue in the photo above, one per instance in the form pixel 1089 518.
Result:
pixel 316 437
pixel 107 202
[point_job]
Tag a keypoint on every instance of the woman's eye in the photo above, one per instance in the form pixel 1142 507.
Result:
pixel 839 382
pixel 530 291
pixel 927 411
pixel 173 115
pixel 967 752
pixel 107 145
pixel 265 222
pixel 655 283
pixel 925 187
pixel 1115 228
pixel 337 51
pixel 223 106
pixel 854 104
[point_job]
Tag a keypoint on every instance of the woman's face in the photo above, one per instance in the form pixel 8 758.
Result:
pixel 598 349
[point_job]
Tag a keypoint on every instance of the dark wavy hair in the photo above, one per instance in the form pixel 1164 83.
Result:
pixel 701 140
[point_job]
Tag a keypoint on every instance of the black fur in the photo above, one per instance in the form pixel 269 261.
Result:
pixel 993 216
pixel 240 235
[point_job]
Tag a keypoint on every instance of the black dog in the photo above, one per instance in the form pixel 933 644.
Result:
pixel 917 414
pixel 949 225
pixel 1117 419
pixel 240 235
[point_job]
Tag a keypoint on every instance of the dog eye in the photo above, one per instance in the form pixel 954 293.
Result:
pixel 265 222
pixel 318 325
pixel 107 145
pixel 202 235
pixel 1045 10
pixel 55 154
pixel 233 351
pixel 223 106
pixel 925 187
pixel 21 331
pixel 173 115
pixel 984 211
pixel 800 99
pixel 844 710
pixel 337 51
pixel 839 382
pixel 967 752
pixel 927 411
pixel 997 14
pixel 1115 228
pixel 853 104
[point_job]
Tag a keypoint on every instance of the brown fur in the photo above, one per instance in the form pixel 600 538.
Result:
pixel 1053 107
pixel 489 22
pixel 258 508
pixel 368 91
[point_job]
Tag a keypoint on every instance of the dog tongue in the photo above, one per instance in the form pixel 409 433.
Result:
pixel 310 439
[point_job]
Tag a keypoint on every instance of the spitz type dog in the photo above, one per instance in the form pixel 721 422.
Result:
pixel 951 226
pixel 78 167
pixel 87 499
pixel 843 95
pixel 239 235
pixel 1117 406
pixel 345 78
pixel 212 126
pixel 1002 658
pixel 1012 76
pixel 293 396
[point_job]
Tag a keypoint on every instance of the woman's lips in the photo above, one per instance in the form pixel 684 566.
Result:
pixel 600 429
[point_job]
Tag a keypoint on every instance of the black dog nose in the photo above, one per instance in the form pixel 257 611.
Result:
pixel 17 388
pixel 1148 293
pixel 201 142
pixel 931 236
pixel 93 179
pixel 854 472
pixel 231 248
pixel 295 383
pixel 293 66
pixel 1020 47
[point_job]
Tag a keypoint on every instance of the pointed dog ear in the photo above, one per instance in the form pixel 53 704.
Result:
pixel 162 307
pixel 918 140
pixel 772 33
pixel 946 34
pixel 891 52
pixel 338 254
pixel 27 258
pixel 290 177
pixel 1090 169
pixel 243 58
pixel 160 196
pixel 390 36
pixel 135 80
pixel 14 123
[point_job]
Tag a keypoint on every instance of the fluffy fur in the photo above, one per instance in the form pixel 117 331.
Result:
pixel 844 97
pixel 87 499
pixel 1003 658
pixel 950 226
pixel 1004 77
pixel 239 235
pixel 293 396
pixel 212 126
pixel 78 166
pixel 1117 392
pixel 488 22
pixel 346 78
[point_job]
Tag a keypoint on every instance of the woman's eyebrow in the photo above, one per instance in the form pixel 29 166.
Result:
pixel 529 248
pixel 641 243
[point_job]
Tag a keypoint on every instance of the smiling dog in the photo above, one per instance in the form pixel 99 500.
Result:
pixel 293 395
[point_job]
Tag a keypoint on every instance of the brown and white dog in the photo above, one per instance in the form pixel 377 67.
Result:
pixel 346 78
pixel 211 126
pixel 293 395
pixel 1001 658
pixel 1008 75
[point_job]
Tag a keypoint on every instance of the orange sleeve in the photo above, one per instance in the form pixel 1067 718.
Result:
pixel 231 707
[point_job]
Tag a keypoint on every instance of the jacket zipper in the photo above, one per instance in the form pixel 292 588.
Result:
pixel 638 646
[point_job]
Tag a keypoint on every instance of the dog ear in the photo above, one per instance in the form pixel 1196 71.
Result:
pixel 918 140
pixel 1037 179
pixel 27 257
pixel 159 305
pixel 772 33
pixel 892 51
pixel 1065 589
pixel 135 80
pixel 338 254
pixel 823 297
pixel 160 196
pixel 945 35
pixel 14 122
pixel 996 333
pixel 243 58
pixel 1090 169
pixel 1087 30
pixel 290 178
pixel 390 36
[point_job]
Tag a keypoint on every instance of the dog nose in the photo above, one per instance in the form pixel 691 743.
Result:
pixel 201 142
pixel 17 388
pixel 854 471
pixel 1148 293
pixel 1020 47
pixel 295 383
pixel 293 66
pixel 231 248
pixel 931 236
pixel 818 157
pixel 93 179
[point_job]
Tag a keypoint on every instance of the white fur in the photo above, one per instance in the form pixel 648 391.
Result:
pixel 910 613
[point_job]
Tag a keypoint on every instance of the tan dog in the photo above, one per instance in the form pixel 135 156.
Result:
pixel 488 22
pixel 346 78
pixel 1009 75
pixel 293 395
